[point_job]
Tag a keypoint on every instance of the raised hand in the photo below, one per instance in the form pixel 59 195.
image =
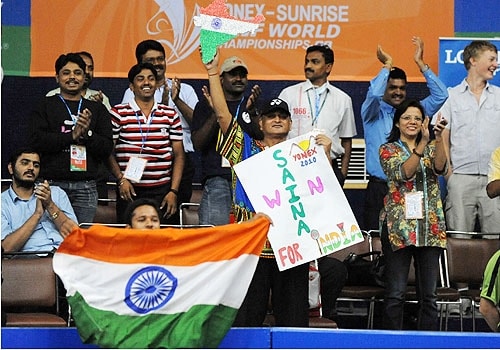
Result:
pixel 419 52
pixel 254 95
pixel 384 57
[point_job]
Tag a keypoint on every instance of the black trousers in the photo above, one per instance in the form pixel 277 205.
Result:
pixel 333 274
pixel 374 202
pixel 289 292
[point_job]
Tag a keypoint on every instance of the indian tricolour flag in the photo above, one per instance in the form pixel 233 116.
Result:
pixel 218 27
pixel 165 288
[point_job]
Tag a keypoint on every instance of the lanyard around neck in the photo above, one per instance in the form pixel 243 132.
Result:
pixel 73 117
pixel 239 105
pixel 144 138
pixel 317 107
pixel 420 161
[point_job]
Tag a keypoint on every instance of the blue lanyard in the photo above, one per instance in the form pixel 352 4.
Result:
pixel 318 108
pixel 74 118
pixel 238 109
pixel 144 137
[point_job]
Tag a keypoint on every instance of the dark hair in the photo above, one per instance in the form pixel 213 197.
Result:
pixel 397 73
pixel 87 54
pixel 325 50
pixel 403 107
pixel 136 69
pixel 145 46
pixel 138 203
pixel 474 49
pixel 70 57
pixel 18 152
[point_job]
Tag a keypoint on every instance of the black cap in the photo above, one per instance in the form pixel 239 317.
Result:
pixel 275 104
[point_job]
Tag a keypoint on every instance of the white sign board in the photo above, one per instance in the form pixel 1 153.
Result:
pixel 295 185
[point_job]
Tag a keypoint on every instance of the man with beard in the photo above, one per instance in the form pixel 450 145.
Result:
pixel 149 157
pixel 316 104
pixel 87 92
pixel 73 136
pixel 386 92
pixel 35 217
pixel 172 93
pixel 215 205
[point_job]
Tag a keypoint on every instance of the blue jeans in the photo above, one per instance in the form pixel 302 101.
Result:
pixel 83 197
pixel 216 201
pixel 426 262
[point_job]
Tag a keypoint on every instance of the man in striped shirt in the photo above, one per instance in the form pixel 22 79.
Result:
pixel 149 155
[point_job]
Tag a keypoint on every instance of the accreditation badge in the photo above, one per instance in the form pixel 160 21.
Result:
pixel 414 205
pixel 135 169
pixel 78 158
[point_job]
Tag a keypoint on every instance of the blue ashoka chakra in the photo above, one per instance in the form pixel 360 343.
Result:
pixel 216 23
pixel 149 289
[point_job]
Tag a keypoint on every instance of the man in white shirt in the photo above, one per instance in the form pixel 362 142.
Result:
pixel 315 104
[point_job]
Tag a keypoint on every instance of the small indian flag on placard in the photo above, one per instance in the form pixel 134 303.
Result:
pixel 218 27
pixel 165 288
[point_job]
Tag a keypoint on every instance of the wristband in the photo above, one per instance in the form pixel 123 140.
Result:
pixel 417 154
pixel 174 191
pixel 212 74
pixel 426 68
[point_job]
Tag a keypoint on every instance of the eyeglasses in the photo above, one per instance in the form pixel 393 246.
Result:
pixel 409 117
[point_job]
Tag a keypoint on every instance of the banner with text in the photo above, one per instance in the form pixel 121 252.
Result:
pixel 298 189
pixel 451 63
pixel 111 29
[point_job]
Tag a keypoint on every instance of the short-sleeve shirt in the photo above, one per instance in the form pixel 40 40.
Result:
pixel 494 166
pixel 186 94
pixel 491 281
pixel 150 138
pixel 331 111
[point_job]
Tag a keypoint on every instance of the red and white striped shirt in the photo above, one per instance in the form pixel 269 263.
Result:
pixel 148 138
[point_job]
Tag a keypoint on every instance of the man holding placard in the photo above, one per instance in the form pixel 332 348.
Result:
pixel 290 287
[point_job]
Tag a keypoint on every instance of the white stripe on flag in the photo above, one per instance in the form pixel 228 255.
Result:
pixel 103 284
pixel 224 25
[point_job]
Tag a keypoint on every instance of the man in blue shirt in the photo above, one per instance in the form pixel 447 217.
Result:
pixel 386 92
pixel 35 217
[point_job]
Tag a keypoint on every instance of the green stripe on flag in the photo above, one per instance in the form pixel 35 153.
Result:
pixel 16 50
pixel 203 326
pixel 210 40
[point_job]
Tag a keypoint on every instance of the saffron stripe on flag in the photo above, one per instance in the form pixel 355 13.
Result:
pixel 178 247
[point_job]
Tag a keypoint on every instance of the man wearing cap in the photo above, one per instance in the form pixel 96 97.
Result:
pixel 215 205
pixel 289 288
pixel 318 105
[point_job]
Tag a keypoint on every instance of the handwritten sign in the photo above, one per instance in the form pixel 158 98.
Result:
pixel 296 186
